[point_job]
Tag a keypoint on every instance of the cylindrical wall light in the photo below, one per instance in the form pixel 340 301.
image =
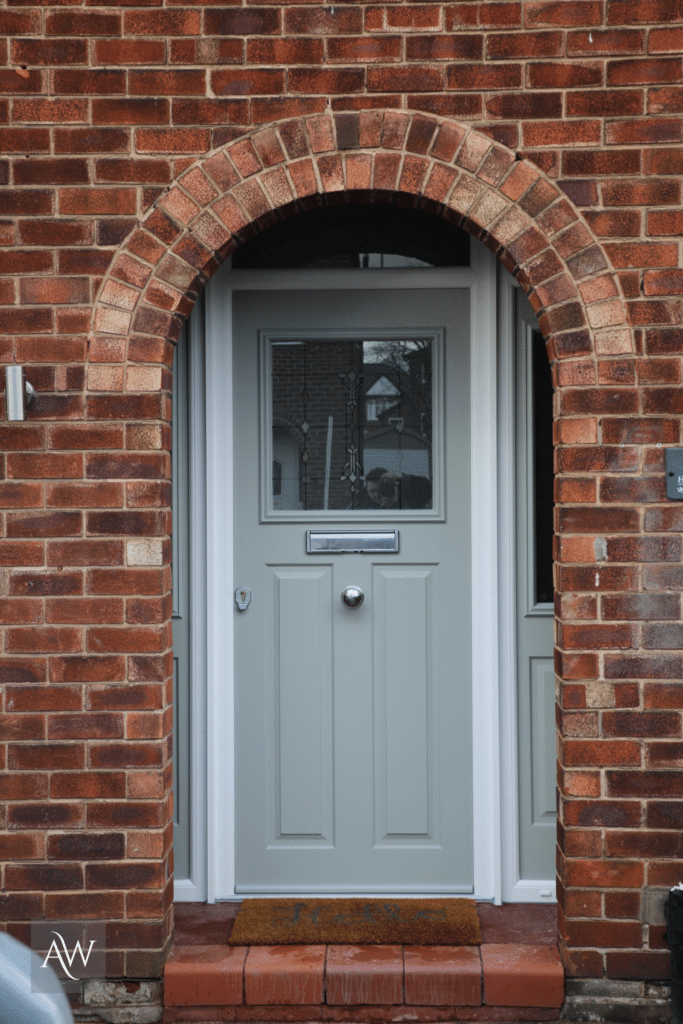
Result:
pixel 18 392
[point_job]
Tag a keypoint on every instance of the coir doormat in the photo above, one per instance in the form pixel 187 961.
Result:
pixel 418 922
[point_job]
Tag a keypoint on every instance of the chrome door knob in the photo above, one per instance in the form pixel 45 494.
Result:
pixel 352 597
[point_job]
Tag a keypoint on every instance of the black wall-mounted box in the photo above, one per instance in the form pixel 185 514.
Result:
pixel 674 473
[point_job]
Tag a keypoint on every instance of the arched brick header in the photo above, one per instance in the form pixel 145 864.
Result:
pixel 523 217
pixel 410 158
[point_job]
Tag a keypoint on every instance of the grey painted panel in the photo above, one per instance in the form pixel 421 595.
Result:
pixel 542 674
pixel 534 635
pixel 303 692
pixel 404 669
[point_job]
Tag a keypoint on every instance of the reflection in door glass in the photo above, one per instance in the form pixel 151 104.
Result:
pixel 351 424
pixel 542 399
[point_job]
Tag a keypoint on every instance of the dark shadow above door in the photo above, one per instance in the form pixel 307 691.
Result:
pixel 355 235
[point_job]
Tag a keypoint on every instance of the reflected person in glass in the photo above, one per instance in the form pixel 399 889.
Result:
pixel 387 490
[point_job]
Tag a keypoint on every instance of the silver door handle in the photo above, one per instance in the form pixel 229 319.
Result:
pixel 352 597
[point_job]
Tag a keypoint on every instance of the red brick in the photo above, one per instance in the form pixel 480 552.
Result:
pixel 31 466
pixel 97 201
pixel 88 82
pixel 603 933
pixel 558 12
pixel 44 877
pixel 128 814
pixel 91 140
pixel 339 50
pixel 645 130
pixel 43 584
pixel 84 610
pixel 103 640
pixel 121 698
pixel 668 99
pixel 588 163
pixel 82 23
pixel 151 110
pixel 94 846
pixel 87 669
pixel 129 51
pixel 525 105
pixel 47 756
pixel 560 75
pixel 22 786
pixel 502 46
pixel 422 79
pixel 162 23
pixel 284 975
pixel 233 21
pixel 451 47
pixel 612 874
pixel 87 552
pixel 22 846
pixel 87 785
pixel 85 905
pixel 50 172
pixel 52 51
pixel 533 974
pixel 247 81
pixel 23 727
pixel 44 524
pixel 21 495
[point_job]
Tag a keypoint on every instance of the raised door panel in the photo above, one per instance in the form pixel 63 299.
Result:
pixel 405 627
pixel 301 689
pixel 542 676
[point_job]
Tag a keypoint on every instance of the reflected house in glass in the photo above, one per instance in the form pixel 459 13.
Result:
pixel 343 407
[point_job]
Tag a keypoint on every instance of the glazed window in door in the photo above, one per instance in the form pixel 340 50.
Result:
pixel 353 725
pixel 347 422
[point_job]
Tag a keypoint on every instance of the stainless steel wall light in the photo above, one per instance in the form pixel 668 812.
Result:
pixel 18 393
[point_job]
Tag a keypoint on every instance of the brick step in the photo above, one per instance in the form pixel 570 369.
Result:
pixel 492 982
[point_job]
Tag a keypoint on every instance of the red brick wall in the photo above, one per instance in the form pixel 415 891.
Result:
pixel 104 109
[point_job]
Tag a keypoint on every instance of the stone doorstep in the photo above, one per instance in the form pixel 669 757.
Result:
pixel 380 982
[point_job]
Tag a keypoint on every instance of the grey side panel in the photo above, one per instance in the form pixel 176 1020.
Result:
pixel 181 610
pixel 535 669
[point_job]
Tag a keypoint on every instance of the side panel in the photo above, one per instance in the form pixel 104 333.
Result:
pixel 180 563
pixel 535 669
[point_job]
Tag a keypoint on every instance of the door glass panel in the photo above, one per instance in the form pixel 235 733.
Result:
pixel 543 474
pixel 350 422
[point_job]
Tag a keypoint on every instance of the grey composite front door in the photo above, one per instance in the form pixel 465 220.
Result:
pixel 353 731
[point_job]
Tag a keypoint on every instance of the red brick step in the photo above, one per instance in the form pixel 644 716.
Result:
pixel 493 982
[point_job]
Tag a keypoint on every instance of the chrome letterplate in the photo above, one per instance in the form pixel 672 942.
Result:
pixel 351 543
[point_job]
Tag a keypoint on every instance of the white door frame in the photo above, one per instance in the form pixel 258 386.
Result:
pixel 213 770
pixel 514 888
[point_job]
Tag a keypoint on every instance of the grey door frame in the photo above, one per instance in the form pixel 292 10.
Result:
pixel 211 540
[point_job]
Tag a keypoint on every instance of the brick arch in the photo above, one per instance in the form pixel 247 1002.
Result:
pixel 448 170
pixel 429 162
